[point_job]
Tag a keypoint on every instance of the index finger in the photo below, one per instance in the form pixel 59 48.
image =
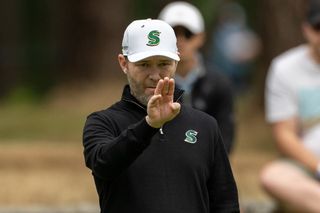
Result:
pixel 159 87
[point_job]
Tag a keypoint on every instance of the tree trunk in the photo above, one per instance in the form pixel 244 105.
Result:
pixel 279 26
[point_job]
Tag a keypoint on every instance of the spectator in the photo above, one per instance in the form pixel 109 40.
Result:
pixel 205 90
pixel 234 46
pixel 293 109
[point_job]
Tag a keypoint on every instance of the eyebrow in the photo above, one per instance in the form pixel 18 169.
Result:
pixel 165 60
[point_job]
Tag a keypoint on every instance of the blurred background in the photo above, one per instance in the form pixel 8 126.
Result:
pixel 58 63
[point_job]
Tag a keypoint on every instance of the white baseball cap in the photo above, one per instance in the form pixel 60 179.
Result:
pixel 149 37
pixel 183 14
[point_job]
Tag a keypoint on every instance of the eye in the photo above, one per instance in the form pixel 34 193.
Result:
pixel 143 64
pixel 164 64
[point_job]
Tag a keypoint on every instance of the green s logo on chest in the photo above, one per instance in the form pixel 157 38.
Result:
pixel 191 136
pixel 153 37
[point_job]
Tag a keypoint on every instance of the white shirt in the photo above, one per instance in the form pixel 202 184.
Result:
pixel 293 90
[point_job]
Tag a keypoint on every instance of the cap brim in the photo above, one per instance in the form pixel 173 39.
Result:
pixel 139 56
pixel 186 24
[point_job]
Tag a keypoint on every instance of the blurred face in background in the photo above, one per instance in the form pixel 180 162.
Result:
pixel 188 43
pixel 143 76
pixel 312 35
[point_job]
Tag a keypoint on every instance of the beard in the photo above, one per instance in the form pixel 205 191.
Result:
pixel 138 91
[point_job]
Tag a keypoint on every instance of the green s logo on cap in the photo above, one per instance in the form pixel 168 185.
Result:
pixel 153 37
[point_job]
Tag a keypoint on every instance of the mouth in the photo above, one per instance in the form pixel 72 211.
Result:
pixel 150 90
pixel 151 86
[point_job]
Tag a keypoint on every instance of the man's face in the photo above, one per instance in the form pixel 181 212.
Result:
pixel 144 75
pixel 312 34
pixel 188 43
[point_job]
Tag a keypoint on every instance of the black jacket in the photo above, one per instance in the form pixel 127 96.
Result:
pixel 140 169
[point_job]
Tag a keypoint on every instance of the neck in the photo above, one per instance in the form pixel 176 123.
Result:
pixel 315 54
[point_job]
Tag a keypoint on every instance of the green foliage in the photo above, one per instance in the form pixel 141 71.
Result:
pixel 21 95
pixel 39 59
pixel 151 8
pixel 251 8
pixel 208 9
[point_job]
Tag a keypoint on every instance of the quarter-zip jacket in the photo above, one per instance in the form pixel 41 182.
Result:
pixel 183 168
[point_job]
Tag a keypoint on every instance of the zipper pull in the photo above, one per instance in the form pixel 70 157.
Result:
pixel 161 131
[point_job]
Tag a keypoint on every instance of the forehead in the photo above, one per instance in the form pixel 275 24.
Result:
pixel 155 59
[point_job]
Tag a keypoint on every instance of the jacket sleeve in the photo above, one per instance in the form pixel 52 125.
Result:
pixel 107 153
pixel 223 193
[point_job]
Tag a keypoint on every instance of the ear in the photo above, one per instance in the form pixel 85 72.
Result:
pixel 123 63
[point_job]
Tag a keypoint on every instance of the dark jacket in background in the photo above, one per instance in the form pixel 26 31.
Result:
pixel 212 93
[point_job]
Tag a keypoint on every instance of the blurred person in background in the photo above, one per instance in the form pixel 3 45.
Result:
pixel 148 153
pixel 293 110
pixel 205 90
pixel 234 46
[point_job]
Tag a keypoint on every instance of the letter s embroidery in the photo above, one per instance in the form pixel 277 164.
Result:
pixel 191 136
pixel 153 37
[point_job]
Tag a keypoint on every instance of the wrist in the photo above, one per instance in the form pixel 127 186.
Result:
pixel 152 124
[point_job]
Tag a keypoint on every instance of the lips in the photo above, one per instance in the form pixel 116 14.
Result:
pixel 150 90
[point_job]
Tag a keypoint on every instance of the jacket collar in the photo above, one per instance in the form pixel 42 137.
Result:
pixel 127 96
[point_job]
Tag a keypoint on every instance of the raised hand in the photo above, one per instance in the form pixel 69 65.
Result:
pixel 161 107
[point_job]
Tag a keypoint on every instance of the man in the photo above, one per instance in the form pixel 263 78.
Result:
pixel 149 153
pixel 207 91
pixel 293 109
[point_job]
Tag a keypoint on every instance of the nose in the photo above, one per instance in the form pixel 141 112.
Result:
pixel 155 74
